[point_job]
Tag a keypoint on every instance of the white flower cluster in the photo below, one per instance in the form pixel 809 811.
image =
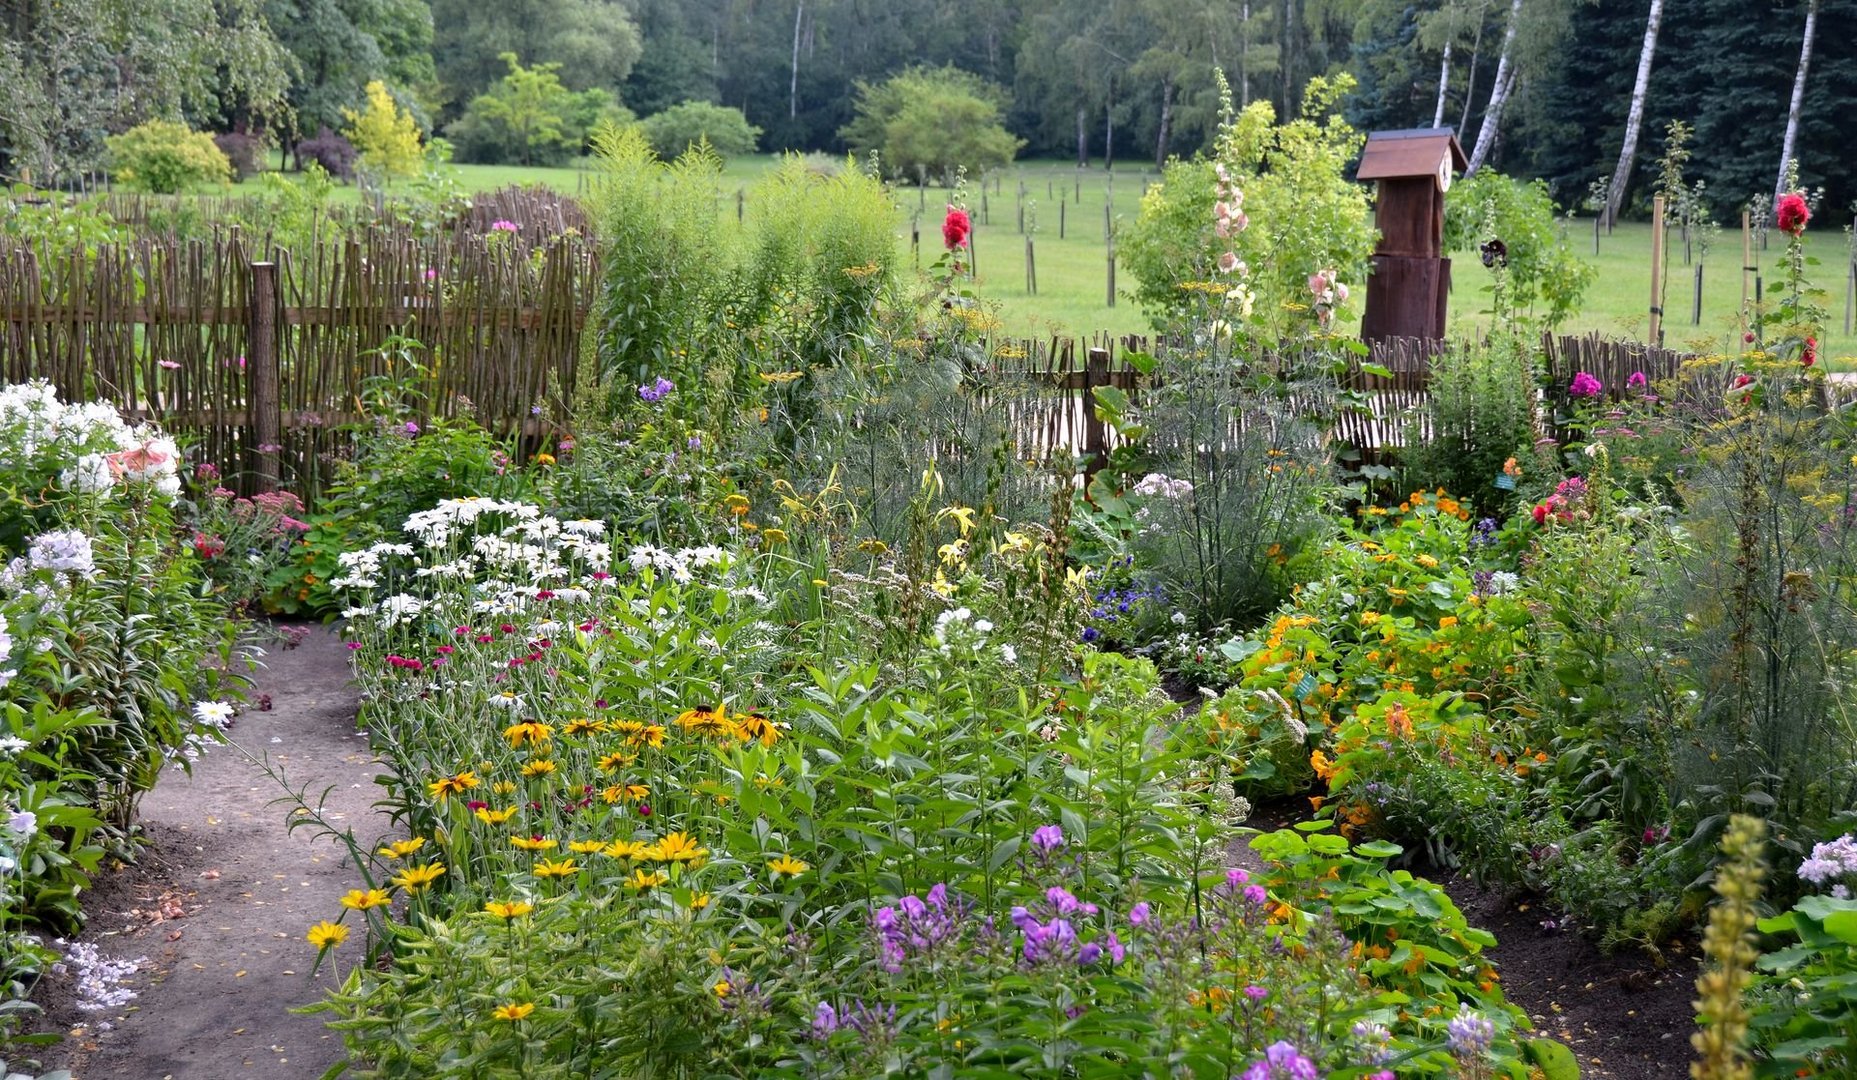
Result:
pixel 99 981
pixel 90 443
pixel 1831 863
pixel 680 565
pixel 1164 486
pixel 63 551
pixel 6 650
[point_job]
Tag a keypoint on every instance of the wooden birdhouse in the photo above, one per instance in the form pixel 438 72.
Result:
pixel 1411 280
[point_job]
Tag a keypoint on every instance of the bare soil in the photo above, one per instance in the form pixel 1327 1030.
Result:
pixel 219 899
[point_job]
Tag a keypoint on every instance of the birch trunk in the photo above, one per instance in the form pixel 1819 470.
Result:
pixel 1167 122
pixel 1083 139
pixel 1498 95
pixel 1792 112
pixel 793 89
pixel 1444 86
pixel 1470 77
pixel 1634 120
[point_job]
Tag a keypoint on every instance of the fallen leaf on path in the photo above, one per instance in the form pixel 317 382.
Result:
pixel 210 875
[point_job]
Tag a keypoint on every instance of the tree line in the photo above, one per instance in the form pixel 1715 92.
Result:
pixel 1576 92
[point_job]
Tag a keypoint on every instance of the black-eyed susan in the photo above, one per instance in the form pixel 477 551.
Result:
pixel 642 879
pixel 527 732
pixel 358 900
pixel 400 849
pixel 755 727
pixel 503 787
pixel 514 1011
pixel 626 849
pixel 327 935
pixel 618 793
pixel 711 722
pixel 699 901
pixel 677 847
pixel 555 868
pixel 533 843
pixel 509 909
pixel 587 847
pixel 788 866
pixel 495 817
pixel 617 760
pixel 539 767
pixel 447 786
pixel 651 735
pixel 419 878
pixel 583 727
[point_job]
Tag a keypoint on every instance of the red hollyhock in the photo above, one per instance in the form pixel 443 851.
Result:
pixel 1742 380
pixel 956 227
pixel 1792 213
pixel 1541 513
pixel 1809 355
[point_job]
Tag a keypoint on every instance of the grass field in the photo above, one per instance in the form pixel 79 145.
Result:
pixel 1072 268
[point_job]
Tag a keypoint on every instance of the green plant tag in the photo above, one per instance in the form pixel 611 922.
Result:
pixel 1305 687
pixel 1505 482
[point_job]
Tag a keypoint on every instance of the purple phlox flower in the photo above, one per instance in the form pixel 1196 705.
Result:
pixel 1055 940
pixel 1637 381
pixel 1089 954
pixel 824 1021
pixel 504 226
pixel 695 442
pixel 1114 944
pixel 1470 1034
pixel 870 1022
pixel 1140 914
pixel 656 390
pixel 411 427
pixel 1282 1061
pixel 1255 894
pixel 915 927
pixel 1064 903
pixel 1585 385
pixel 1236 878
pixel 1047 838
pixel 1256 993
pixel 1830 861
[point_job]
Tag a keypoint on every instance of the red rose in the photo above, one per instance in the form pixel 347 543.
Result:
pixel 1809 355
pixel 1792 213
pixel 1541 513
pixel 955 228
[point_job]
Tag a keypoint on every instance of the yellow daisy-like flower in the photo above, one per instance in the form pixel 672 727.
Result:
pixel 643 879
pixel 419 878
pixel 651 735
pixel 533 843
pixel 774 536
pixel 503 787
pixel 495 817
pixel 548 868
pixel 699 901
pixel 529 731
pixel 627 849
pixel 446 786
pixel 514 1011
pixel 587 847
pixel 711 722
pixel 754 726
pixel 327 935
pixel 400 849
pixel 625 793
pixel 617 760
pixel 677 847
pixel 583 727
pixel 509 909
pixel 356 900
pixel 539 767
pixel 1447 622
pixel 787 865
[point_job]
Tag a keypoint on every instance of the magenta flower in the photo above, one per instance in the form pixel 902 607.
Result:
pixel 1637 381
pixel 1585 386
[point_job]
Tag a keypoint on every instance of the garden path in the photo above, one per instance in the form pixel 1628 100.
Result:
pixel 220 900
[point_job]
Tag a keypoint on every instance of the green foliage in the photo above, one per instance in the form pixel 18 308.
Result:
pixel 529 116
pixel 385 134
pixel 1306 215
pixel 596 42
pixel 1805 999
pixel 1478 414
pixel 932 122
pixel 166 157
pixel 1542 271
pixel 687 124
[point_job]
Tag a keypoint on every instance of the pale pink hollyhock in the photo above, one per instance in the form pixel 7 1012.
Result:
pixel 1228 262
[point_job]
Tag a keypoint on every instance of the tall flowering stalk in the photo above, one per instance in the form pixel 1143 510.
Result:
pixel 1721 1044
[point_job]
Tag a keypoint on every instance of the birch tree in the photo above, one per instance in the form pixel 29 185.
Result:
pixel 1792 112
pixel 1634 120
pixel 1498 94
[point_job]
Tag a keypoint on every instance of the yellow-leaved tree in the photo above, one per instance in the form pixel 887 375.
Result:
pixel 385 134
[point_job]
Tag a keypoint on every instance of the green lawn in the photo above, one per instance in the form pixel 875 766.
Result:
pixel 1072 270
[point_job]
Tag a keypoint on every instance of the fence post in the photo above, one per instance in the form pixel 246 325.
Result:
pixel 261 369
pixel 1095 432
pixel 1656 334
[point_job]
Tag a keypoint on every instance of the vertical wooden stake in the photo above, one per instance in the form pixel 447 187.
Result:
pixel 1656 334
pixel 1111 250
pixel 1031 269
pixel 1095 435
pixel 986 215
pixel 915 240
pixel 1747 264
pixel 973 254
pixel 261 369
pixel 1060 219
pixel 1597 218
pixel 1850 296
pixel 1695 318
pixel 741 198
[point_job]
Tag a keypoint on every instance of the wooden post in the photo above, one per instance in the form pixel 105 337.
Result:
pixel 1111 250
pixel 1031 269
pixel 986 216
pixel 266 412
pixel 1105 223
pixel 1695 318
pixel 1850 296
pixel 1656 333
pixel 973 254
pixel 1747 264
pixel 1060 219
pixel 1077 181
pixel 1597 218
pixel 915 240
pixel 1095 433
pixel 741 198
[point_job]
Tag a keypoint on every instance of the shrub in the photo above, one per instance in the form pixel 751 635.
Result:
pixel 1540 266
pixel 528 116
pixel 334 154
pixel 935 122
pixel 165 157
pixel 244 150
pixel 385 134
pixel 1478 414
pixel 683 125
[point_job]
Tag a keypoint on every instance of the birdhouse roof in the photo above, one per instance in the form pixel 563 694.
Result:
pixel 1414 152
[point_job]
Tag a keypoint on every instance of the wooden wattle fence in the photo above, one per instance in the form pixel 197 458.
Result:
pixel 259 356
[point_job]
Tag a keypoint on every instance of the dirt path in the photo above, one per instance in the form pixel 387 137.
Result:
pixel 220 901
